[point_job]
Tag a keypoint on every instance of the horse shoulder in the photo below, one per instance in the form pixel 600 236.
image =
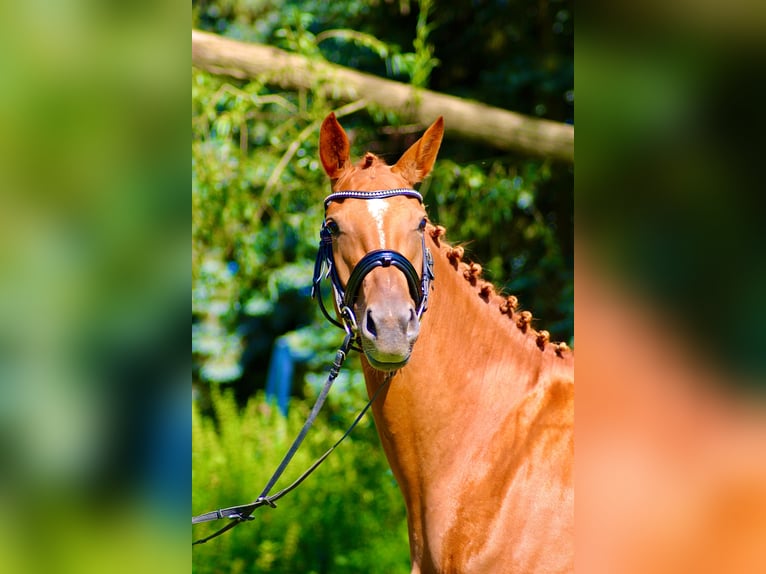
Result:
pixel 527 498
pixel 538 507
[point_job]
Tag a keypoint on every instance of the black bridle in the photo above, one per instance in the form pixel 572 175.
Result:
pixel 418 286
pixel 324 266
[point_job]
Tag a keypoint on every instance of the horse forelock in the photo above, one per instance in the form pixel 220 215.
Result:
pixel 371 173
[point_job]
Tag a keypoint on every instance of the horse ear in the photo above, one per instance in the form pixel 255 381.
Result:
pixel 416 163
pixel 333 146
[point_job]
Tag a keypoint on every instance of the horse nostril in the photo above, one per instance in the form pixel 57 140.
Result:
pixel 371 324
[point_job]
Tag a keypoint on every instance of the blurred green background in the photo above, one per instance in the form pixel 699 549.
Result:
pixel 257 190
pixel 94 286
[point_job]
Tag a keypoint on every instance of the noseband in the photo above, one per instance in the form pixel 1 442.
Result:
pixel 345 297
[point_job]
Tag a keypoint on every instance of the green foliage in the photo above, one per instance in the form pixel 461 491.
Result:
pixel 424 60
pixel 347 517
pixel 256 199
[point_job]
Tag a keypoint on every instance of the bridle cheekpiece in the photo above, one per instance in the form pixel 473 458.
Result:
pixel 324 266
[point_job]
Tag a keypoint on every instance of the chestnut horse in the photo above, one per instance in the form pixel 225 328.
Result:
pixel 477 418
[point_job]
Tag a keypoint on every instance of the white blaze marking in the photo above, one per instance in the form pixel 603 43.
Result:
pixel 377 207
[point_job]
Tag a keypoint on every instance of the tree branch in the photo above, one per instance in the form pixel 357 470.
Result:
pixel 464 118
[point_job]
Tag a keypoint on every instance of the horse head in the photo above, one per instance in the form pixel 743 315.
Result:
pixel 376 223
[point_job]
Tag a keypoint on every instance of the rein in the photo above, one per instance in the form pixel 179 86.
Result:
pixel 243 513
pixel 345 298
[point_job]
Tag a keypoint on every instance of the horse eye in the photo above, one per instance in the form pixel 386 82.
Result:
pixel 332 227
pixel 423 224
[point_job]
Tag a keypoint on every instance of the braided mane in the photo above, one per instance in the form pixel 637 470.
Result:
pixel 506 305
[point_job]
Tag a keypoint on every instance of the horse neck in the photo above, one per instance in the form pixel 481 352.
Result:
pixel 471 364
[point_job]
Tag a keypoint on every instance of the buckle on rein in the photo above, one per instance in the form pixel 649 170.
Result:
pixel 349 321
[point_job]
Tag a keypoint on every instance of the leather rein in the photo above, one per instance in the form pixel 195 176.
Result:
pixel 345 298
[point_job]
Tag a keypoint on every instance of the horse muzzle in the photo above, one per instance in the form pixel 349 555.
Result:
pixel 388 333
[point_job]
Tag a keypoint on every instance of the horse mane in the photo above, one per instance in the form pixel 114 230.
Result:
pixel 507 305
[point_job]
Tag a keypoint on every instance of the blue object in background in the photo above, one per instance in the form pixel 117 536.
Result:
pixel 281 369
